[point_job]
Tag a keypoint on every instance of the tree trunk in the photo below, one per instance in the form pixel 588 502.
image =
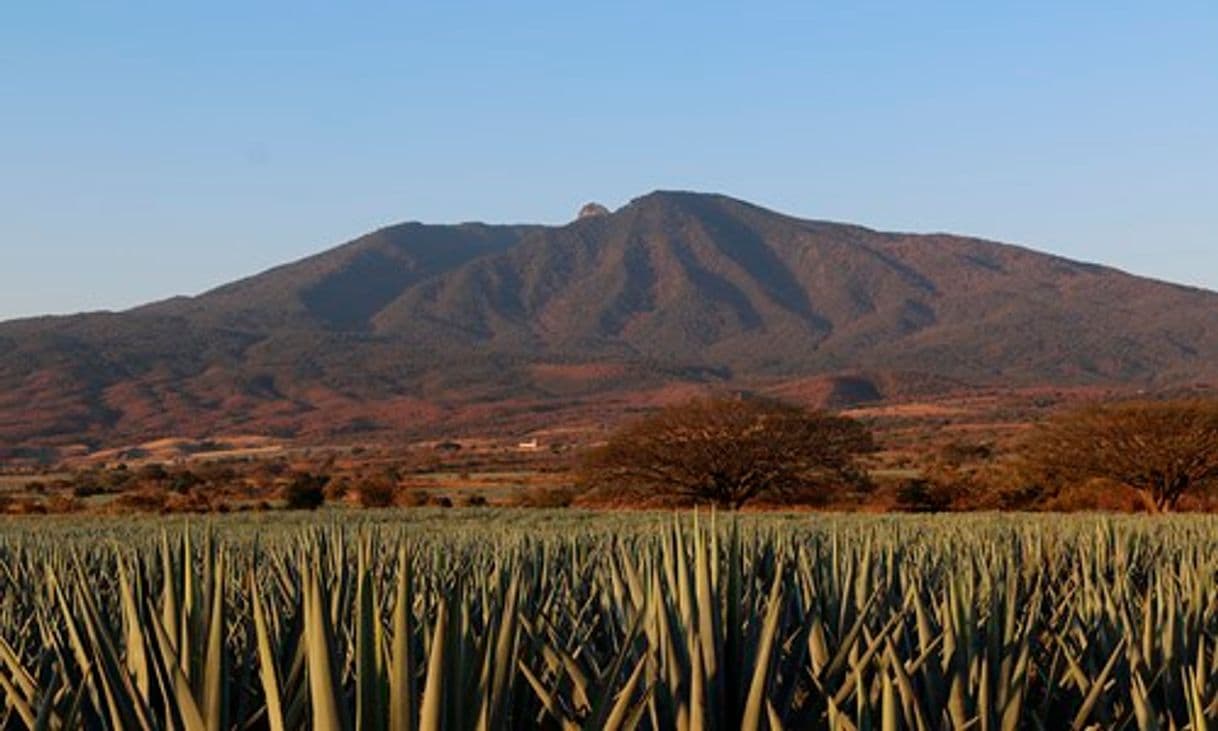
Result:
pixel 1150 501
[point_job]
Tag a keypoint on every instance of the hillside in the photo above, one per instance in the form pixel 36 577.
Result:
pixel 423 328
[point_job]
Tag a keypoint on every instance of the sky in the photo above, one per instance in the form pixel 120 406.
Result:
pixel 149 149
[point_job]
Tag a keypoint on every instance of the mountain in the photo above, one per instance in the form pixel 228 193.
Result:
pixel 421 327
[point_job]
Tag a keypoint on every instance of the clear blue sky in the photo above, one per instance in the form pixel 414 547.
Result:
pixel 155 148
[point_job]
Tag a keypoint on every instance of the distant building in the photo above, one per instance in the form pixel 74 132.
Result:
pixel 529 446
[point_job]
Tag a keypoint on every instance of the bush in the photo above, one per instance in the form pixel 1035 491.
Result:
pixel 26 506
pixel 155 472
pixel 195 501
pixel 184 481
pixel 88 489
pixel 117 478
pixel 337 489
pixel 413 498
pixel 546 497
pixel 959 453
pixel 306 491
pixel 1013 493
pixel 377 494
pixel 217 473
pixel 1098 494
pixel 474 501
pixel 920 495
pixel 63 504
pixel 149 501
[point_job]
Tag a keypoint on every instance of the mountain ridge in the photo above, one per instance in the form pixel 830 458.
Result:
pixel 419 325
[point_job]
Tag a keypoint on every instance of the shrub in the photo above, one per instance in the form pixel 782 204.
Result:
pixel 152 473
pixel 306 491
pixel 377 494
pixel 184 481
pixel 61 503
pixel 920 495
pixel 151 501
pixel 413 498
pixel 1102 495
pixel 195 501
pixel 26 506
pixel 546 497
pixel 958 453
pixel 217 472
pixel 117 478
pixel 337 489
pixel 89 489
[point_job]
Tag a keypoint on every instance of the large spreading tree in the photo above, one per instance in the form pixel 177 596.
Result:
pixel 727 451
pixel 1161 449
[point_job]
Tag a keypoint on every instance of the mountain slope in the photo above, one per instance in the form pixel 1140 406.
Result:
pixel 418 326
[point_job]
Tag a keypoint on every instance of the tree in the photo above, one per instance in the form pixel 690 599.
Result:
pixel 728 451
pixel 1161 449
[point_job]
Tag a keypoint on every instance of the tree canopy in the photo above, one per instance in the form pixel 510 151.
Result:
pixel 728 451
pixel 1161 449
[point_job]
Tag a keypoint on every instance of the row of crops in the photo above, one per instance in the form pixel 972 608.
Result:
pixel 496 620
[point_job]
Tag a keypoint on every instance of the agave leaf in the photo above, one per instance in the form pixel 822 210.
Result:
pixel 1097 688
pixel 402 672
pixel 431 716
pixel 267 665
pixel 324 686
pixel 755 704
pixel 621 710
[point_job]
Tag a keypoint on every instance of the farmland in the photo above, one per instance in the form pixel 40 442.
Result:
pixel 497 618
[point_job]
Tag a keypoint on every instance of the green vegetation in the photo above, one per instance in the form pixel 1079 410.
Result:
pixel 563 619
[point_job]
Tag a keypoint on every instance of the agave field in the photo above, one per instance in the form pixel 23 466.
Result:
pixel 549 619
